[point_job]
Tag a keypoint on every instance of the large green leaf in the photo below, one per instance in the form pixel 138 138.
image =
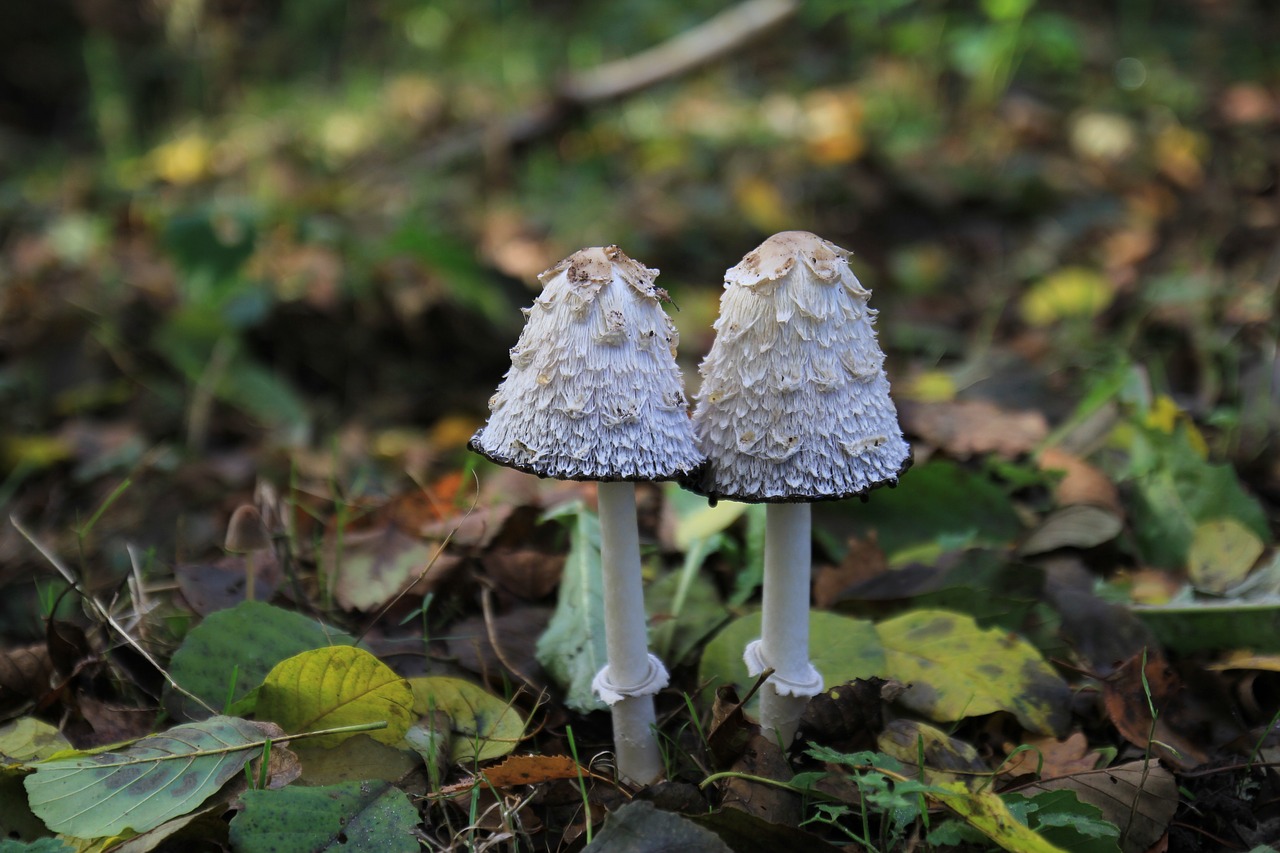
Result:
pixel 231 651
pixel 40 845
pixel 143 785
pixel 572 648
pixel 1176 490
pixel 349 816
pixel 939 500
pixel 956 669
pixel 482 725
pixel 842 649
pixel 336 686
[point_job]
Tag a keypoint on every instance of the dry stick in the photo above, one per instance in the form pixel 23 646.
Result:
pixel 701 45
pixel 102 611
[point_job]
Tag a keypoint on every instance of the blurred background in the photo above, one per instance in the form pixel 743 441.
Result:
pixel 291 237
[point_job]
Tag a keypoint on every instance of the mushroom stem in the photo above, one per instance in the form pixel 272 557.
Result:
pixel 784 631
pixel 632 675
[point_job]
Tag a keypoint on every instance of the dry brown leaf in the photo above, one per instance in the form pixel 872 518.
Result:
pixel 25 673
pixel 524 572
pixel 863 561
pixel 1051 757
pixel 966 428
pixel 1081 483
pixel 1129 699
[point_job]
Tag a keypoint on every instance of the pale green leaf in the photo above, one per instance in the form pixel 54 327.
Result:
pixel 572 648
pixel 956 669
pixel 141 786
pixel 28 739
pixel 482 725
pixel 336 686
pixel 349 816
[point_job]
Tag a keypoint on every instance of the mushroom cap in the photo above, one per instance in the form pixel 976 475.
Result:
pixel 794 404
pixel 593 392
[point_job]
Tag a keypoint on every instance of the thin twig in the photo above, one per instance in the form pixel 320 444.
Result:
pixel 102 611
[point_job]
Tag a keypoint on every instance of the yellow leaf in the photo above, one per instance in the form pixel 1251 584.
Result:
pixel 336 686
pixel 483 726
pixel 957 669
pixel 932 386
pixel 707 521
pixel 1165 416
pixel 761 204
pixel 184 160
pixel 1222 553
pixel 987 813
pixel 1072 292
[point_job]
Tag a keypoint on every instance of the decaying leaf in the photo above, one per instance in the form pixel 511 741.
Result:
pixel 967 428
pixel 946 759
pixel 1130 697
pixel 1221 554
pixel 482 726
pixel 956 669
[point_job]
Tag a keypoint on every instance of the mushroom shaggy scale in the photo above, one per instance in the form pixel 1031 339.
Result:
pixel 594 393
pixel 794 408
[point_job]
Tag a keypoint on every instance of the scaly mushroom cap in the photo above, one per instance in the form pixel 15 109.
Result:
pixel 794 404
pixel 593 392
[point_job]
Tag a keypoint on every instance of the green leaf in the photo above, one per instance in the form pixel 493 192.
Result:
pixel 355 759
pixel 684 606
pixel 1214 625
pixel 141 786
pixel 937 500
pixel 482 725
pixel 638 827
pixel 842 649
pixel 336 686
pixel 40 845
pixel 987 813
pixel 572 648
pixel 1178 493
pixel 1060 818
pixel 956 669
pixel 373 566
pixel 349 816
pixel 240 646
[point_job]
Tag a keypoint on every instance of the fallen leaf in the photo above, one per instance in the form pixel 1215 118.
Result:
pixel 482 726
pixel 849 716
pixel 1081 482
pixel 532 770
pixel 25 675
pixel 955 669
pixel 863 561
pixel 946 759
pixel 220 585
pixel 524 572
pixel 1075 526
pixel 358 757
pixel 967 428
pixel 1050 757
pixel 370 568
pixel 1222 553
pixel 1129 698
pixel 638 827
pixel 358 815
pixel 332 687
pixel 1067 294
pixel 1139 797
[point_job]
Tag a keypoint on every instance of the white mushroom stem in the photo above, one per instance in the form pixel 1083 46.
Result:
pixel 632 675
pixel 784 631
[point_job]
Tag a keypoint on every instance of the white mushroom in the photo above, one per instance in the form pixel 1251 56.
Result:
pixel 590 397
pixel 794 408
